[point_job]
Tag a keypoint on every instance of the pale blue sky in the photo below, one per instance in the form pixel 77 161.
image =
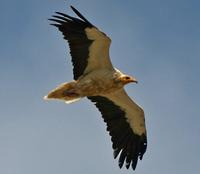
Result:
pixel 156 41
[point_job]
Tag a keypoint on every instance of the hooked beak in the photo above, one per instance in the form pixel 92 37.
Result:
pixel 128 79
pixel 133 80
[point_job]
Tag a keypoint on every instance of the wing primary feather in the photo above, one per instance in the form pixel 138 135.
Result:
pixel 56 25
pixel 143 146
pixel 81 16
pixel 56 20
pixel 134 163
pixel 65 15
pixel 116 152
pixel 121 143
pixel 70 17
pixel 130 150
pixel 122 158
pixel 62 18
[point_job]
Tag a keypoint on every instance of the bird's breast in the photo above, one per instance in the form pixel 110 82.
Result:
pixel 97 83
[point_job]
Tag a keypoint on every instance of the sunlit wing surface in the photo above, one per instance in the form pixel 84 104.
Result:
pixel 126 126
pixel 89 47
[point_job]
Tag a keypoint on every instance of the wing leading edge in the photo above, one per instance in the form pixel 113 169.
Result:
pixel 125 141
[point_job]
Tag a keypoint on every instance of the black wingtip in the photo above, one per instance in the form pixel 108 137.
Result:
pixel 80 15
pixel 55 25
pixel 116 152
pixel 72 7
pixel 127 165
pixel 134 163
pixel 120 165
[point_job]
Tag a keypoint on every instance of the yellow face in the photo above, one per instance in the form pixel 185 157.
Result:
pixel 128 79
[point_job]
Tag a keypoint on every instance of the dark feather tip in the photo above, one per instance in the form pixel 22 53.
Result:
pixel 59 17
pixel 128 165
pixel 116 152
pixel 56 25
pixel 120 165
pixel 80 15
pixel 134 163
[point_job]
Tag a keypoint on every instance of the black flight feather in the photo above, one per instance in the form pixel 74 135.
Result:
pixel 128 145
pixel 73 30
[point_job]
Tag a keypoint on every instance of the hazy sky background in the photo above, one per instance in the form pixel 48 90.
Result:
pixel 156 41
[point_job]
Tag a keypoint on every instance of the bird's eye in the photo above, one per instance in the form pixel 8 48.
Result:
pixel 127 78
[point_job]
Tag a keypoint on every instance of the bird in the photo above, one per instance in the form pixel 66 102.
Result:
pixel 97 79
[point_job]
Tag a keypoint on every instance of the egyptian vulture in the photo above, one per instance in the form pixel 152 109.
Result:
pixel 97 79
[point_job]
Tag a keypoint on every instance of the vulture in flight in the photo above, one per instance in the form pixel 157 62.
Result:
pixel 97 79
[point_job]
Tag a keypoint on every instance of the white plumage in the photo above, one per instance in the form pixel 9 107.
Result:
pixel 96 78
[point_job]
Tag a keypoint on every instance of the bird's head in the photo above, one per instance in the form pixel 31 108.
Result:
pixel 125 79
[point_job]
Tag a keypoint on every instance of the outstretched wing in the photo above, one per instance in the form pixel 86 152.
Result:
pixel 126 125
pixel 89 47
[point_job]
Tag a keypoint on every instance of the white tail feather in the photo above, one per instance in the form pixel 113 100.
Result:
pixel 65 92
pixel 72 101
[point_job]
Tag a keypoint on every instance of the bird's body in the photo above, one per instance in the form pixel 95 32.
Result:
pixel 97 79
pixel 98 82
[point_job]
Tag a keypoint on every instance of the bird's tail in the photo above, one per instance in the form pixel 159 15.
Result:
pixel 65 91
